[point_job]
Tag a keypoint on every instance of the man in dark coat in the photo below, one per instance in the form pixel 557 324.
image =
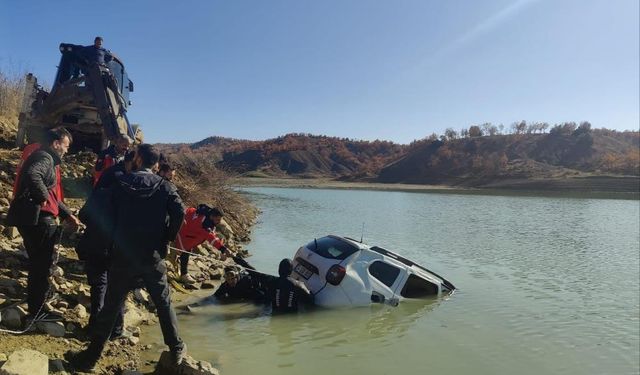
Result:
pixel 95 54
pixel 148 213
pixel 35 209
pixel 94 246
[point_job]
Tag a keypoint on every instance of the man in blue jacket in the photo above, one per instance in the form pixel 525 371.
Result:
pixel 95 54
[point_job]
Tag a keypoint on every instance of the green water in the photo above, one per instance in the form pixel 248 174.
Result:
pixel 546 286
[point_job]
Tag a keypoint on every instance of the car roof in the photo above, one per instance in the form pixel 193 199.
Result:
pixel 390 254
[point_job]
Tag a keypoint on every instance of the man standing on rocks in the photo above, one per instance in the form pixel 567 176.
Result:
pixel 35 209
pixel 148 213
pixel 95 245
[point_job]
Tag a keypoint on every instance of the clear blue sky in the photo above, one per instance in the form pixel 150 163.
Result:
pixel 394 70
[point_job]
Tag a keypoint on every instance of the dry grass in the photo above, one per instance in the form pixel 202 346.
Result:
pixel 200 181
pixel 11 86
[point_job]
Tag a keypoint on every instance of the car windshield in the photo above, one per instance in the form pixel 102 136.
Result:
pixel 331 248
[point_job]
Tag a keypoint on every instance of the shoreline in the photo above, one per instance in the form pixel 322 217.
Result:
pixel 525 188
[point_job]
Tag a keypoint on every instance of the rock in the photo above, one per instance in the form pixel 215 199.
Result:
pixel 2 301
pixel 189 366
pixel 26 362
pixel 11 232
pixel 57 271
pixel 133 340
pixel 80 311
pixel 62 304
pixel 3 358
pixel 133 316
pixel 194 286
pixel 202 250
pixel 215 273
pixel 135 331
pixel 12 317
pixel 8 283
pixel 141 296
pixel 55 365
pixel 71 327
pixel 55 329
pixel 208 284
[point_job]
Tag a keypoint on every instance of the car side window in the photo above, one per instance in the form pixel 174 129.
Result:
pixel 384 272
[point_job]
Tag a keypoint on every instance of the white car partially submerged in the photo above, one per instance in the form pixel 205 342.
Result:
pixel 341 271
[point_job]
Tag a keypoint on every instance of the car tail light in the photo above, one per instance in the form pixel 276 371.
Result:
pixel 335 274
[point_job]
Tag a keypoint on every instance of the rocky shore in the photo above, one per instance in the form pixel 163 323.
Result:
pixel 41 349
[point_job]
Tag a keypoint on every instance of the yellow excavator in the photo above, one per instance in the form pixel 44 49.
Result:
pixel 87 98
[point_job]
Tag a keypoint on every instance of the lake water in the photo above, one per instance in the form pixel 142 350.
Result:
pixel 546 286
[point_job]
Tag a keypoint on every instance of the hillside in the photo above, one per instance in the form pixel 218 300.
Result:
pixel 567 157
pixel 300 155
pixel 592 157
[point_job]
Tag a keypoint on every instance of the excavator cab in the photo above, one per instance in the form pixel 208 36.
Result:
pixel 89 99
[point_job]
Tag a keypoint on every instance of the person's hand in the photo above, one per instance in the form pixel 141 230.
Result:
pixel 73 221
pixel 223 256
pixel 44 203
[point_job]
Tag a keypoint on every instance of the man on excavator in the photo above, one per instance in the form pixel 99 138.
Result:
pixel 96 54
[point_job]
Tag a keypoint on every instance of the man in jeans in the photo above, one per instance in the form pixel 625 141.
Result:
pixel 35 209
pixel 148 213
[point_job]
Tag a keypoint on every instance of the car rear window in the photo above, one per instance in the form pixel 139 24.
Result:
pixel 331 248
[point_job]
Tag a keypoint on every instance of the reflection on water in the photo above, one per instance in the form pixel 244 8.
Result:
pixel 547 286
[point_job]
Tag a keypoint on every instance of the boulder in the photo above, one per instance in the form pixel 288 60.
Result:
pixel 208 284
pixel 133 316
pixel 55 365
pixel 141 296
pixel 57 271
pixel 55 329
pixel 11 232
pixel 26 362
pixel 189 366
pixel 80 311
pixel 8 283
pixel 12 317
pixel 215 273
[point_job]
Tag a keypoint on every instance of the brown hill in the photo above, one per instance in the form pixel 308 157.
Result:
pixel 509 161
pixel 300 155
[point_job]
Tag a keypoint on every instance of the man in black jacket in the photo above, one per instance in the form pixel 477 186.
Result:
pixel 148 213
pixel 94 246
pixel 35 210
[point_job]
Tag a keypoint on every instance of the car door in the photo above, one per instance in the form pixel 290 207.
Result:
pixel 386 277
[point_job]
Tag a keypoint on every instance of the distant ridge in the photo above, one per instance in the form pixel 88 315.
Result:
pixel 596 157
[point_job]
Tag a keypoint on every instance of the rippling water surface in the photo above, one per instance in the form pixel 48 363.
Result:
pixel 546 286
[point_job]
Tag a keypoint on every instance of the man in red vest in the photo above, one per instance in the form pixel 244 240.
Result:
pixel 110 156
pixel 198 226
pixel 35 209
pixel 28 150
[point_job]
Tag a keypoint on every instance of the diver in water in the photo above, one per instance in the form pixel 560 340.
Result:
pixel 287 293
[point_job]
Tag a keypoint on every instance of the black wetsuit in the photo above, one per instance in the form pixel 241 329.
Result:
pixel 287 294
pixel 246 289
